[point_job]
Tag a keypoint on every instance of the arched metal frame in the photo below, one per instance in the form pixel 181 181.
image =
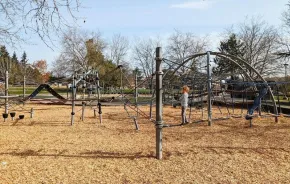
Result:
pixel 159 77
pixel 234 60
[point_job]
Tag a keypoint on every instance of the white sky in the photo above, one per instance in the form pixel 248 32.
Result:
pixel 147 18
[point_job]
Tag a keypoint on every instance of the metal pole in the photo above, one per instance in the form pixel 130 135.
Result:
pixel 98 91
pixel 136 95
pixel 24 84
pixel 260 108
pixel 84 85
pixel 121 83
pixel 209 110
pixel 136 103
pixel 159 91
pixel 285 70
pixel 67 91
pixel 83 110
pixel 6 91
pixel 31 113
pixel 91 90
pixel 151 101
pixel 73 99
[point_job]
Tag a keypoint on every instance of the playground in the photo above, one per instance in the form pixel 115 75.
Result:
pixel 237 131
pixel 47 149
pixel 129 92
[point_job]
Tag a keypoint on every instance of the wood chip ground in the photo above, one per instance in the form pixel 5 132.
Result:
pixel 47 149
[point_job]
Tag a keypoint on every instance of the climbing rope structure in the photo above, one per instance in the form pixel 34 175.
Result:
pixel 250 92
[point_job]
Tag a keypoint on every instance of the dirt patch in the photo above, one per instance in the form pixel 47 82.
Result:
pixel 46 149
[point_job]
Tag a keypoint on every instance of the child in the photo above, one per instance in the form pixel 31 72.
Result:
pixel 257 101
pixel 184 103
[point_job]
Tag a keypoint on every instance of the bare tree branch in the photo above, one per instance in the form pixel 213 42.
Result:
pixel 41 17
pixel 119 47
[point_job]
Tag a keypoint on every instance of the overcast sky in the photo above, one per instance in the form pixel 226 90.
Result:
pixel 145 18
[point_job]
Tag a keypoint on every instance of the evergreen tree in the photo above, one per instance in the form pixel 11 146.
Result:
pixel 14 71
pixel 231 46
pixel 14 57
pixel 4 61
pixel 23 60
pixel 4 52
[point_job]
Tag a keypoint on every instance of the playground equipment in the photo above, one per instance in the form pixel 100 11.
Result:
pixel 82 80
pixel 159 124
pixel 48 88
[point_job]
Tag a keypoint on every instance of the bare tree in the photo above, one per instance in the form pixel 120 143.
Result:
pixel 286 15
pixel 80 50
pixel 284 46
pixel 119 47
pixel 44 18
pixel 181 45
pixel 283 41
pixel 260 44
pixel 144 55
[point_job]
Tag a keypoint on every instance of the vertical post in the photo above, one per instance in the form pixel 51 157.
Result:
pixel 136 103
pixel 31 113
pixel 91 90
pixel 152 94
pixel 209 112
pixel 201 100
pixel 23 90
pixel 260 108
pixel 98 91
pixel 83 110
pixel 6 90
pixel 286 65
pixel 73 99
pixel 159 123
pixel 136 95
pixel 67 90
pixel 84 85
pixel 121 83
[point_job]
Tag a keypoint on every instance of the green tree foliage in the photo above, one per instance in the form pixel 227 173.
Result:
pixel 94 55
pixel 231 46
pixel 14 70
pixel 23 60
pixel 4 61
pixel 110 74
pixel 17 69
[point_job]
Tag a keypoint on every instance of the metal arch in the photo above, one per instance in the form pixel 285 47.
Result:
pixel 230 58
pixel 253 69
pixel 212 53
pixel 185 60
